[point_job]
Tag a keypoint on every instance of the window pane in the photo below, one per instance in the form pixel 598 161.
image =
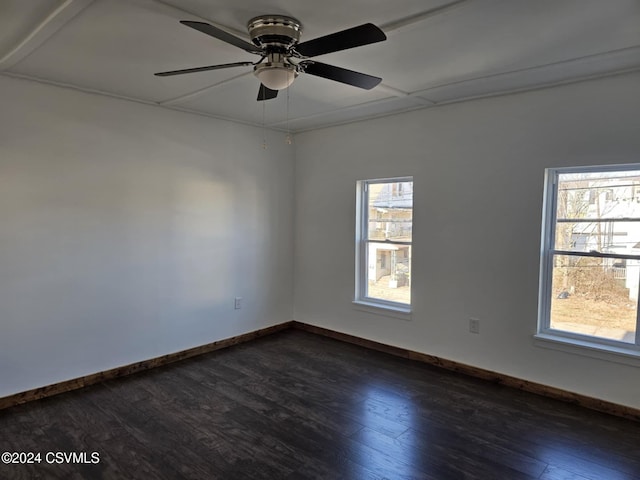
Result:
pixel 595 296
pixel 389 272
pixel 390 211
pixel 590 212
pixel 609 236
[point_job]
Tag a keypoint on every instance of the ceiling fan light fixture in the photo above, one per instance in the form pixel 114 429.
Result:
pixel 276 76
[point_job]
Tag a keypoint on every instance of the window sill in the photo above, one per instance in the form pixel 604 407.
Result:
pixel 610 353
pixel 383 310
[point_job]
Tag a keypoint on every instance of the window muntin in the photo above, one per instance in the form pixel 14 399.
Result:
pixel 591 255
pixel 384 242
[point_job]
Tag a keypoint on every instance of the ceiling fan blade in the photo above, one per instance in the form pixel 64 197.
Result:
pixel 343 40
pixel 266 93
pixel 340 74
pixel 222 35
pixel 202 69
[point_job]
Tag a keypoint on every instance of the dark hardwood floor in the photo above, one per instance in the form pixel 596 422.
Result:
pixel 298 406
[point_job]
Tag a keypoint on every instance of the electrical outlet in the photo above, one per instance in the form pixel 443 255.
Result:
pixel 238 303
pixel 474 325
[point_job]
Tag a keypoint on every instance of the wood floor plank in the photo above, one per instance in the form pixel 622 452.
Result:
pixel 279 385
pixel 450 457
pixel 298 406
pixel 216 435
pixel 298 424
pixel 556 473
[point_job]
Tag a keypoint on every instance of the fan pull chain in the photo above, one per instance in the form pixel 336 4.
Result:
pixel 287 139
pixel 264 128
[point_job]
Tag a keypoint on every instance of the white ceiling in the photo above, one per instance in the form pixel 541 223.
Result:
pixel 437 51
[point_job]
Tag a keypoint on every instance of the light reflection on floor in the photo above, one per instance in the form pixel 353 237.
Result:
pixel 565 461
pixel 382 406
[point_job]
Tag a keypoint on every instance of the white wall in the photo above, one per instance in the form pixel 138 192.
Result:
pixel 126 230
pixel 478 175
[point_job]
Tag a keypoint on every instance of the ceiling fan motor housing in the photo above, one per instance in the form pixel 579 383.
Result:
pixel 274 33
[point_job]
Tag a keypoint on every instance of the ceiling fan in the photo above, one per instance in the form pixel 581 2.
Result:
pixel 276 39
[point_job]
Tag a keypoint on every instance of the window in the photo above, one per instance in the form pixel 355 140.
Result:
pixel 383 243
pixel 590 266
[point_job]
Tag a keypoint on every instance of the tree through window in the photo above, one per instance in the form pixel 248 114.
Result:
pixel 591 254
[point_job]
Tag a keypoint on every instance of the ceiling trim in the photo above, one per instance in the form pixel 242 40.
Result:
pixel 102 93
pixel 422 104
pixel 270 126
pixel 397 26
pixel 237 33
pixel 276 125
pixel 423 101
pixel 197 93
pixel 389 28
pixel 47 28
pixel 469 99
pixel 72 86
pixel 337 123
pixel 191 95
pixel 539 86
pixel 625 59
pixel 396 92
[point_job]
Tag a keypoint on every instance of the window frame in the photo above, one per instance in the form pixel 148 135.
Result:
pixel 545 332
pixel 362 241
